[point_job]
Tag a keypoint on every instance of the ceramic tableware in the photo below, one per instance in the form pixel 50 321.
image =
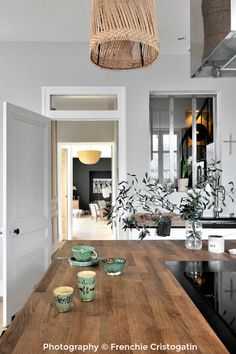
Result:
pixel 76 263
pixel 63 297
pixel 113 266
pixel 84 253
pixel 216 244
pixel 86 285
pixel 232 251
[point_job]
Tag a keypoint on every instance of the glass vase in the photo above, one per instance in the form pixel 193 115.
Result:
pixel 193 235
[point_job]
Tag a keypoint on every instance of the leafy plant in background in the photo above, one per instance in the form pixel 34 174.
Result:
pixel 191 208
pixel 213 187
pixel 149 196
pixel 207 194
pixel 185 165
pixel 193 204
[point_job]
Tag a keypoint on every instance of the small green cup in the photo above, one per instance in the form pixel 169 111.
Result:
pixel 86 285
pixel 63 298
pixel 86 292
pixel 84 253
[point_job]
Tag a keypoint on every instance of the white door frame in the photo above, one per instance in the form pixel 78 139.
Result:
pixel 118 115
pixel 69 191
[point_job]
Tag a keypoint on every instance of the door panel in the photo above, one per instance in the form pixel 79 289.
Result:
pixel 26 205
pixel 27 186
pixel 22 266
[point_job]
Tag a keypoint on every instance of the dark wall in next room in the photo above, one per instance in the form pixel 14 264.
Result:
pixel 81 178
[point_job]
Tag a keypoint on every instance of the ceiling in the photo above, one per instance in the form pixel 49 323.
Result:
pixel 68 21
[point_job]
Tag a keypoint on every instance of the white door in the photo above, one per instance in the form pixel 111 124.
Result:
pixel 26 205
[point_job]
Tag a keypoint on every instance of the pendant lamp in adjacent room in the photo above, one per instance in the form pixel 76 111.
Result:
pixel 89 157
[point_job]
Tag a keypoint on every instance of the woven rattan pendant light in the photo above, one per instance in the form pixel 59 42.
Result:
pixel 123 34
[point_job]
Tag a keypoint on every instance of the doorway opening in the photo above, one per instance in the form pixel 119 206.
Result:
pixel 87 105
pixel 85 191
pixel 32 250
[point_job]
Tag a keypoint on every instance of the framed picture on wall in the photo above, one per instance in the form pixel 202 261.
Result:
pixel 100 185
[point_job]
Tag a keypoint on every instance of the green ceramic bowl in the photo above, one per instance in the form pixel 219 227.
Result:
pixel 113 266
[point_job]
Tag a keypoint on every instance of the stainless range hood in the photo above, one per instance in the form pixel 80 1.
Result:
pixel 213 38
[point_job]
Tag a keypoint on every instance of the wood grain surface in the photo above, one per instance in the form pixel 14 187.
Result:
pixel 144 305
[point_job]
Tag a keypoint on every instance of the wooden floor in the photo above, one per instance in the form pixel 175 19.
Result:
pixel 86 229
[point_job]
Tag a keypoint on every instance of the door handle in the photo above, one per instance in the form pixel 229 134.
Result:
pixel 16 231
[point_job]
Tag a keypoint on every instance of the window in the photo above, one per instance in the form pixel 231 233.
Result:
pixel 180 138
pixel 161 154
pixel 84 102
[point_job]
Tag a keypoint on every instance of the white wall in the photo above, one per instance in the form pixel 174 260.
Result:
pixel 75 132
pixel 26 67
pixel 196 34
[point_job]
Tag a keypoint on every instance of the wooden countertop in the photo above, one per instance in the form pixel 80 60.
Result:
pixel 144 305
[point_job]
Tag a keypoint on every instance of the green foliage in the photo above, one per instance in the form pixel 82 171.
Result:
pixel 130 223
pixel 204 195
pixel 143 233
pixel 192 205
pixel 185 165
pixel 149 196
pixel 212 181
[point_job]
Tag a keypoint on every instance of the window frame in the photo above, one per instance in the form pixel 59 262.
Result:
pixel 194 96
pixel 161 150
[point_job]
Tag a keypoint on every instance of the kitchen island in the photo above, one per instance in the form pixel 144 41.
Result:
pixel 144 305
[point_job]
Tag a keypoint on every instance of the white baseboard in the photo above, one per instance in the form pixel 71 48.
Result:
pixel 1 288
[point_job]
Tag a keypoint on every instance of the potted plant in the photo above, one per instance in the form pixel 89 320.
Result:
pixel 190 210
pixel 183 181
